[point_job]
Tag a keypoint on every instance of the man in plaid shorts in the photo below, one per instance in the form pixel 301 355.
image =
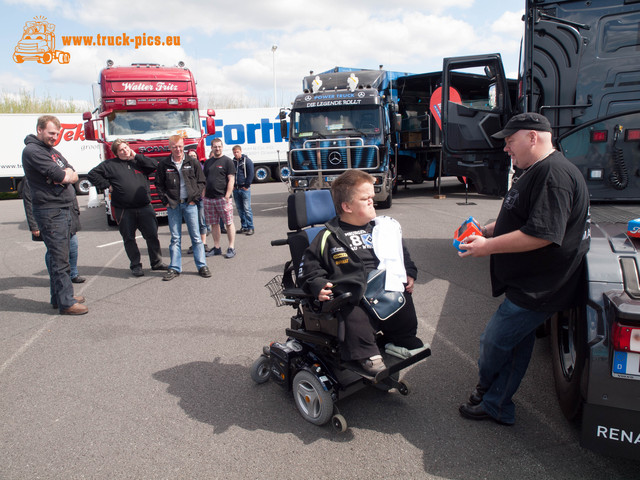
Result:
pixel 218 202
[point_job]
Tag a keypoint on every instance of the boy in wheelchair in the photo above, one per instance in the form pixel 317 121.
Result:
pixel 339 260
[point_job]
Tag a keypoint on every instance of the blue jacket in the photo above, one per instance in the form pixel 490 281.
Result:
pixel 244 172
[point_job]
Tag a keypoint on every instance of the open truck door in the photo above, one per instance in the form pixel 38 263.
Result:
pixel 481 107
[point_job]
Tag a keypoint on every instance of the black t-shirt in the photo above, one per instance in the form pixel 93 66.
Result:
pixel 360 241
pixel 549 201
pixel 216 171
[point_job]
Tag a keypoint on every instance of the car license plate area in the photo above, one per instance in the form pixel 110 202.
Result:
pixel 626 365
pixel 330 178
pixel 161 213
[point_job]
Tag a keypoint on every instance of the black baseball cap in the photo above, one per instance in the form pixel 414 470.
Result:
pixel 524 121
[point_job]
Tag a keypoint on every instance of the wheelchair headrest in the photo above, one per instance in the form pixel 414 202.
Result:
pixel 313 207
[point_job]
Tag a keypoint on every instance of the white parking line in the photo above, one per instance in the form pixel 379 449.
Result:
pixel 114 243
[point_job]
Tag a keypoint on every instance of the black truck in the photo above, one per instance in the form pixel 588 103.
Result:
pixel 580 67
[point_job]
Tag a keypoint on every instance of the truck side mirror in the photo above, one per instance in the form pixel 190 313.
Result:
pixel 396 123
pixel 284 129
pixel 211 123
pixel 89 130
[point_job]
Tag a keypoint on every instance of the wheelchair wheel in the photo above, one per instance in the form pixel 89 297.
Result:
pixel 313 401
pixel 403 388
pixel 339 423
pixel 260 369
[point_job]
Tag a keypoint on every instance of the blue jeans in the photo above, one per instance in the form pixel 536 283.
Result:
pixel 506 346
pixel 73 264
pixel 204 228
pixel 55 228
pixel 73 255
pixel 191 218
pixel 243 205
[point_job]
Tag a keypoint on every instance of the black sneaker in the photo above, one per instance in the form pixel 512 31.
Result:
pixel 214 251
pixel 190 250
pixel 78 279
pixel 160 266
pixel 241 230
pixel 249 231
pixel 231 252
pixel 137 272
pixel 206 248
pixel 170 275
pixel 204 272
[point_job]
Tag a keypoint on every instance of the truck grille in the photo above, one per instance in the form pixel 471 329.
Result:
pixel 334 155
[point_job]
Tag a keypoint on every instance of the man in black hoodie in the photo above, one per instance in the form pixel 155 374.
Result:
pixel 126 178
pixel 51 180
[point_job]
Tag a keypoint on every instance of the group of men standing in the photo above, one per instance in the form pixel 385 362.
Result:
pixel 199 193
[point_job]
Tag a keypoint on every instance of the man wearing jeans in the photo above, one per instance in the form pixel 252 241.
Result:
pixel 537 247
pixel 51 180
pixel 180 181
pixel 242 190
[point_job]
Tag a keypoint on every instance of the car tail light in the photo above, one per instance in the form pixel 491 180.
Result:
pixel 626 338
pixel 598 136
pixel 632 135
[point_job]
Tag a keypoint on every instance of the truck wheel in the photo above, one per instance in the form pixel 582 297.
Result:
pixel 262 174
pixel 386 203
pixel 64 58
pixel 18 58
pixel 47 58
pixel 282 173
pixel 82 186
pixel 569 357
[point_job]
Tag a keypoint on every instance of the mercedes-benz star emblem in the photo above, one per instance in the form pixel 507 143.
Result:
pixel 335 158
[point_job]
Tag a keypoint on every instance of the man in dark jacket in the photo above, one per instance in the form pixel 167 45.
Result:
pixel 180 182
pixel 242 190
pixel 126 178
pixel 51 180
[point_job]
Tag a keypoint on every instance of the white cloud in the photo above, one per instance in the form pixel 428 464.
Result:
pixel 509 23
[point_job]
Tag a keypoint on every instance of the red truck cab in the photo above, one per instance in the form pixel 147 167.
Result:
pixel 145 104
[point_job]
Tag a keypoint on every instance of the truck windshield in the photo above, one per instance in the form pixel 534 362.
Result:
pixel 151 124
pixel 310 123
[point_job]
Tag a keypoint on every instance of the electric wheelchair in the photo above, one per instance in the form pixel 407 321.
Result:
pixel 309 362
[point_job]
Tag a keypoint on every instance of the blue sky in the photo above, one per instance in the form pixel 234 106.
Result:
pixel 228 45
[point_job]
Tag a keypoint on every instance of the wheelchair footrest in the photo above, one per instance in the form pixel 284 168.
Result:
pixel 394 364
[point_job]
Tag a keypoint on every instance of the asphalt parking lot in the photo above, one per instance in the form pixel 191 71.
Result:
pixel 154 382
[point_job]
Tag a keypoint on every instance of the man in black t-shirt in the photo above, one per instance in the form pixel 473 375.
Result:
pixel 220 174
pixel 537 247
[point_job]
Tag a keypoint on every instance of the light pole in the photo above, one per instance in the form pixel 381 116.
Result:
pixel 275 95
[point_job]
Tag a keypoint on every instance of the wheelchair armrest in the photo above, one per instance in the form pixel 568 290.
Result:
pixel 296 293
pixel 279 242
pixel 337 303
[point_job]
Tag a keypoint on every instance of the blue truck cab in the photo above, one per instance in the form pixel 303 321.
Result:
pixel 346 118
